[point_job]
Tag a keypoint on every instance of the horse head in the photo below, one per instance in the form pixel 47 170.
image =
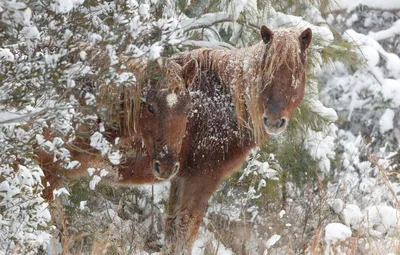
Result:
pixel 284 76
pixel 164 113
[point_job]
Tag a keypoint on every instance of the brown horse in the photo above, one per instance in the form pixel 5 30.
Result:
pixel 239 98
pixel 150 119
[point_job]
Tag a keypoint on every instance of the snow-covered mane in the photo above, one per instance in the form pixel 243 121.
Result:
pixel 123 102
pixel 247 72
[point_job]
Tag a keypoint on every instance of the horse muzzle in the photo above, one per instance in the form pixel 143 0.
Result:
pixel 274 126
pixel 165 170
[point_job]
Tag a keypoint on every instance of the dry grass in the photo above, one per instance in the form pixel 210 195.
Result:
pixel 306 232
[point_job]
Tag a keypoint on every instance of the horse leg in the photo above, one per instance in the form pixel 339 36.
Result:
pixel 171 216
pixel 195 192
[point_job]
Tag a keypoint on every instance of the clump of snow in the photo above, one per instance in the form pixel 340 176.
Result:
pixel 317 107
pixel 65 6
pixel 98 142
pixel 351 216
pixel 91 171
pixel 381 219
pixel 71 165
pixel 321 146
pixel 386 33
pixel 336 205
pixel 272 241
pixel 82 205
pixel 114 157
pixel 6 55
pixel 155 51
pixel 391 91
pixel 208 238
pixel 371 55
pixel 31 33
pixel 336 232
pixel 95 180
pixel 59 192
pixel 386 121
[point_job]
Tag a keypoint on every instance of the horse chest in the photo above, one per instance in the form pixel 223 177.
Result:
pixel 215 138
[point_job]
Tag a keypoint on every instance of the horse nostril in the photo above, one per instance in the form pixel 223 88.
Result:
pixel 283 122
pixel 176 167
pixel 265 120
pixel 156 166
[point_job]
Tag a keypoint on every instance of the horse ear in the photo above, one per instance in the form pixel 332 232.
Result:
pixel 305 38
pixel 266 34
pixel 189 72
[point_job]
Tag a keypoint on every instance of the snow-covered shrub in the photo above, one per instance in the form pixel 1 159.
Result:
pixel 24 213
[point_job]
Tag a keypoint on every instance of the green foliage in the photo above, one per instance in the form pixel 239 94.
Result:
pixel 342 51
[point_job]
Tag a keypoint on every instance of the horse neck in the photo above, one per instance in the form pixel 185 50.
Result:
pixel 240 71
pixel 215 119
pixel 237 66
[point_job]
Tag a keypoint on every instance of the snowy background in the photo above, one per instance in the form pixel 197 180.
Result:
pixel 329 185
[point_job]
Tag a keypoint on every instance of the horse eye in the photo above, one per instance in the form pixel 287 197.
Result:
pixel 299 74
pixel 150 109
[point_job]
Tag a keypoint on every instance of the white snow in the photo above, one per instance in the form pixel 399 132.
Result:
pixel 381 219
pixel 5 54
pixel 386 121
pixel 391 91
pixel 351 5
pixel 95 180
pixel 351 216
pixel 82 205
pixel 31 33
pixel 208 237
pixel 82 55
pixel 336 232
pixel 325 112
pixel 386 33
pixel 371 55
pixel 59 192
pixel 64 6
pixel 98 142
pixel 321 146
pixel 336 205
pixel 272 241
pixel 144 10
pixel 103 173
pixel 91 171
pixel 71 165
pixel 155 51
pixel 114 157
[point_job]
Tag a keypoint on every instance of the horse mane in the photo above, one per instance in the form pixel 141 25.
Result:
pixel 246 72
pixel 122 103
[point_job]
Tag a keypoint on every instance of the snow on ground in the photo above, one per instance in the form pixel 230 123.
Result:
pixel 205 239
pixel 334 233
